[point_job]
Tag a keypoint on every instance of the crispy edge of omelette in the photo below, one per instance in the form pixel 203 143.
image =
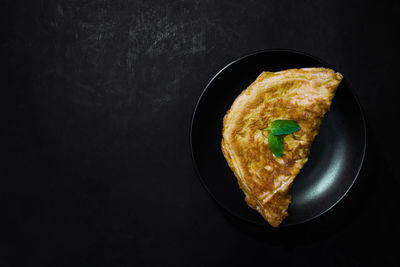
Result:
pixel 274 210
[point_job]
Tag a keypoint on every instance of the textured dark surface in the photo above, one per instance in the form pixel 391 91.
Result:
pixel 98 97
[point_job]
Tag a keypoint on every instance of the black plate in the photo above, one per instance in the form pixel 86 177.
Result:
pixel 336 156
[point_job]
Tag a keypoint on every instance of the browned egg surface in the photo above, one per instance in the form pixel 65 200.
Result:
pixel 301 95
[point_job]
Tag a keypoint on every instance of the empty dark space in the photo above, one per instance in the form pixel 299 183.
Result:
pixel 98 98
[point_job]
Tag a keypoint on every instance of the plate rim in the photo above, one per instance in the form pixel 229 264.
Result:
pixel 351 90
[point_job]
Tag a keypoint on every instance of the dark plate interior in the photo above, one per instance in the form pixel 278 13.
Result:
pixel 336 155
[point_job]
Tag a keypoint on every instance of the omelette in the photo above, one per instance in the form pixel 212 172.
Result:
pixel 300 95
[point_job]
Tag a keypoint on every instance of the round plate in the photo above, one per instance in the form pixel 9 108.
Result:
pixel 336 155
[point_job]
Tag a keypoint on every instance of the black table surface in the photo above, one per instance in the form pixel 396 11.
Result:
pixel 98 98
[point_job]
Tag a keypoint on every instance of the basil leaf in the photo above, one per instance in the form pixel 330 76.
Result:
pixel 280 127
pixel 275 144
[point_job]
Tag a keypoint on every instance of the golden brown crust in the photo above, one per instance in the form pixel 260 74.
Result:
pixel 302 95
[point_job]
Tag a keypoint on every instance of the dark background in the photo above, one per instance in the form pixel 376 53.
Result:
pixel 98 98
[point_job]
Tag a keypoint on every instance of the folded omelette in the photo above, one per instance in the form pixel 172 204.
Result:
pixel 301 95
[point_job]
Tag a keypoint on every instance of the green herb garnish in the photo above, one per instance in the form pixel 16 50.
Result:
pixel 280 127
pixel 277 129
pixel 276 144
